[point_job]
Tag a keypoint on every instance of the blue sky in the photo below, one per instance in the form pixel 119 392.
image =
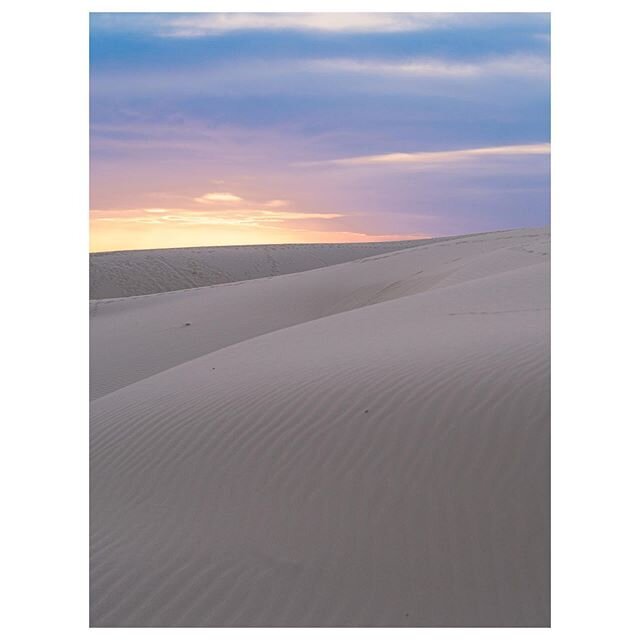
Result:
pixel 249 128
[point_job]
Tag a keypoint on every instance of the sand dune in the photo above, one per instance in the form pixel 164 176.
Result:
pixel 365 444
pixel 117 274
pixel 133 338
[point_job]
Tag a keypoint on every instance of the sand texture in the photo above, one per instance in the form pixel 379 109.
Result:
pixel 118 274
pixel 363 444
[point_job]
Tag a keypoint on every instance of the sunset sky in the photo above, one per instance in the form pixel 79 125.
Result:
pixel 218 129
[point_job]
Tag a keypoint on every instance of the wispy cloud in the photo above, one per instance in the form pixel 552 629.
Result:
pixel 197 25
pixel 241 217
pixel 200 25
pixel 227 199
pixel 434 67
pixel 438 157
pixel 218 197
pixel 291 76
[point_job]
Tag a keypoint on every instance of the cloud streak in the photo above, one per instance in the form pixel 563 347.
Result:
pixel 240 217
pixel 295 76
pixel 202 25
pixel 218 197
pixel 436 67
pixel 437 157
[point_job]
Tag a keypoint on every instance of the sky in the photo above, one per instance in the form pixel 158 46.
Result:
pixel 232 129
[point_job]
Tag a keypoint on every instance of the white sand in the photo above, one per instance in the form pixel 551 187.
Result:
pixel 117 274
pixel 365 444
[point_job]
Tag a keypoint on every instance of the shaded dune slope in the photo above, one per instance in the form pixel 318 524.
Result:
pixel 379 459
pixel 117 274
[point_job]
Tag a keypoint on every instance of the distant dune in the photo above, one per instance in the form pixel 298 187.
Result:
pixel 116 274
pixel 364 444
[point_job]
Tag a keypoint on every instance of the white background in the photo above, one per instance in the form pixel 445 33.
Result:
pixel 44 201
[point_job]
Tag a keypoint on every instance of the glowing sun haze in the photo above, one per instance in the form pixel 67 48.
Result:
pixel 218 129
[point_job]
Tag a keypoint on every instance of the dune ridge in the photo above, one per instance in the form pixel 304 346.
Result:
pixel 365 444
pixel 119 274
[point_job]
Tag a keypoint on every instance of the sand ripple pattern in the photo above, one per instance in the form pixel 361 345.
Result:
pixel 386 464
